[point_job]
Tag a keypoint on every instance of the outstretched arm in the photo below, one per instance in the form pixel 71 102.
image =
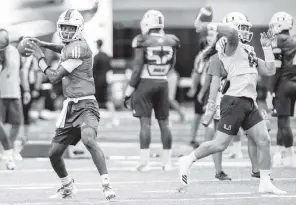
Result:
pixel 54 75
pixel 51 46
pixel 267 67
pixel 223 30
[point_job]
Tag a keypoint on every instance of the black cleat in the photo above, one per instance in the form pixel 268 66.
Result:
pixel 194 144
pixel 257 175
pixel 222 176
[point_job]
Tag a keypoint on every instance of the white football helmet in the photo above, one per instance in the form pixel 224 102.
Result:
pixel 70 17
pixel 240 21
pixel 280 21
pixel 152 19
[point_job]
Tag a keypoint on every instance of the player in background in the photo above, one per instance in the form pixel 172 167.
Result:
pixel 173 79
pixel 198 80
pixel 80 115
pixel 283 85
pixel 205 15
pixel 155 55
pixel 11 112
pixel 238 105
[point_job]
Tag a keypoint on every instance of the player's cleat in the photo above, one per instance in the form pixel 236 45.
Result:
pixel 277 159
pixel 167 167
pixel 194 144
pixel 257 175
pixel 143 168
pixel 17 156
pixel 268 187
pixel 184 170
pixel 10 165
pixel 236 155
pixel 109 192
pixel 222 176
pixel 65 192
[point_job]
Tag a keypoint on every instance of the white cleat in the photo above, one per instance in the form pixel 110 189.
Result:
pixel 184 170
pixel 167 167
pixel 65 192
pixel 143 168
pixel 109 192
pixel 268 187
pixel 277 159
pixel 17 156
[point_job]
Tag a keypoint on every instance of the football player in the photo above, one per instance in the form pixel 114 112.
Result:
pixel 80 115
pixel 11 111
pixel 283 86
pixel 238 105
pixel 155 54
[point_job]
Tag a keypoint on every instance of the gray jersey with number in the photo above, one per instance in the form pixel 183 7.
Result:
pixel 159 54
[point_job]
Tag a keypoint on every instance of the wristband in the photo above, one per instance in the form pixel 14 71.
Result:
pixel 268 54
pixel 42 64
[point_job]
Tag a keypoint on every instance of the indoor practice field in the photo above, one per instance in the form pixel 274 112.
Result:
pixel 34 180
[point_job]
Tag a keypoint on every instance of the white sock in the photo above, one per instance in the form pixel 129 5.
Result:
pixel 264 176
pixel 65 180
pixel 144 156
pixel 290 151
pixel 192 157
pixel 166 156
pixel 105 179
pixel 279 149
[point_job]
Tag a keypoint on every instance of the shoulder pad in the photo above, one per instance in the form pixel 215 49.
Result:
pixel 78 50
pixel 138 41
pixel 280 40
pixel 176 40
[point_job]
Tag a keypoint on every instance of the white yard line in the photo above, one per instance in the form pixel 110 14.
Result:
pixel 160 200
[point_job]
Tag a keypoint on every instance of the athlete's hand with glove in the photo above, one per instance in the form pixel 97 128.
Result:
pixel 210 112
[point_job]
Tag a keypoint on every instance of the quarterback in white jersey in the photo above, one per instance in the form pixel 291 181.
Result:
pixel 238 105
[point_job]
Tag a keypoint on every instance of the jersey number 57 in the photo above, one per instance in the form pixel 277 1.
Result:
pixel 159 60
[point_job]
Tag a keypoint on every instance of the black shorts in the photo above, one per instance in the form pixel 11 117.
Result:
pixel 237 112
pixel 281 101
pixel 83 114
pixel 151 94
pixel 11 111
pixel 199 107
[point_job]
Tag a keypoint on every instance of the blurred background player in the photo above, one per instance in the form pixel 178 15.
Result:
pixel 155 55
pixel 11 77
pixel 173 80
pixel 30 69
pixel 198 76
pixel 79 118
pixel 238 105
pixel 283 85
pixel 102 70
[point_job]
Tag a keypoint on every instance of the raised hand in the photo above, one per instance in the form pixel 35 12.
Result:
pixel 266 38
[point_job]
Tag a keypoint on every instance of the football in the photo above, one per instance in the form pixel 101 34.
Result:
pixel 22 47
pixel 205 14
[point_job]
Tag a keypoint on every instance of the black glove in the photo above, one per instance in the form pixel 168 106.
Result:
pixel 126 102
